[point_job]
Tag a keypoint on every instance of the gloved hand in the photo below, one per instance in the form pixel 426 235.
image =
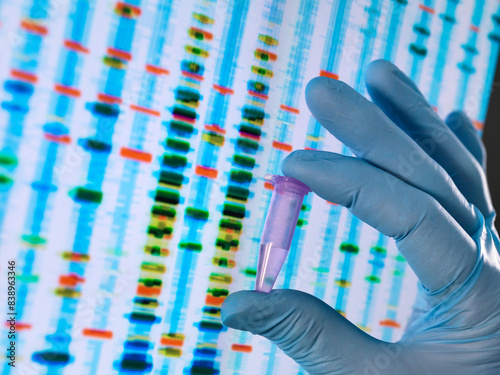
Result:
pixel 420 181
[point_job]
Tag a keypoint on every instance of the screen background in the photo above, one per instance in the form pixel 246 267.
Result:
pixel 134 139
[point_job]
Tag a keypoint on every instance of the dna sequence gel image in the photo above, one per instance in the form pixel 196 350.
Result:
pixel 134 140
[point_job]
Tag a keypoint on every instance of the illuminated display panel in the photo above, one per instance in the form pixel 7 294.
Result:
pixel 134 140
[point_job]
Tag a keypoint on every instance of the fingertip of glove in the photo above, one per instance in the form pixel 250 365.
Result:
pixel 236 308
pixel 297 164
pixel 314 168
pixel 458 118
pixel 381 76
pixel 256 311
pixel 315 89
pixel 319 94
pixel 317 85
pixel 293 161
pixel 378 72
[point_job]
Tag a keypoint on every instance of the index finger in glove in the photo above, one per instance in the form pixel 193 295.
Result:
pixel 434 245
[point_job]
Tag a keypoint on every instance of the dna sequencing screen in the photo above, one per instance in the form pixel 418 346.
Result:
pixel 134 140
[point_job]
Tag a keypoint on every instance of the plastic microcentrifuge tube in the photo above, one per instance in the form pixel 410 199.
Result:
pixel 281 220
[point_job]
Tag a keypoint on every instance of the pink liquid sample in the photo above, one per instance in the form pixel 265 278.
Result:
pixel 271 260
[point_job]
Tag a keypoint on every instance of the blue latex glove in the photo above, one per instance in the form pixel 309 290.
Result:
pixel 420 181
